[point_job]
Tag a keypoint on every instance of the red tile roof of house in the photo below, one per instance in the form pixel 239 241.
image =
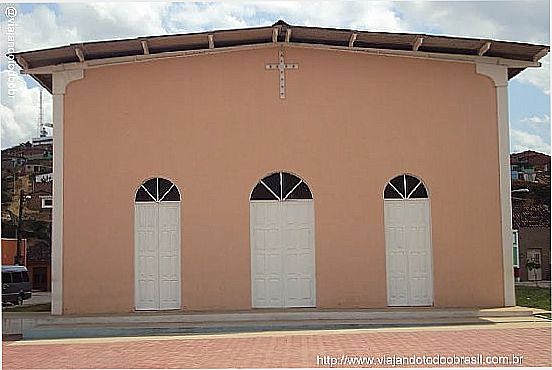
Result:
pixel 530 157
pixel 530 214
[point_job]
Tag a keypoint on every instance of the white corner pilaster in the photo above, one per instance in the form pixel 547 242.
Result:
pixel 499 75
pixel 60 80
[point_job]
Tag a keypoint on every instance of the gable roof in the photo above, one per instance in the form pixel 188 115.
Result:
pixel 413 44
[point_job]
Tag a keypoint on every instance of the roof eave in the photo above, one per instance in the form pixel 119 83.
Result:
pixel 74 55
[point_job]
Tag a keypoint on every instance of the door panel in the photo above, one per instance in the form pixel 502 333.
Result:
pixel 266 258
pixel 169 255
pixel 396 259
pixel 298 271
pixel 419 254
pixel 147 277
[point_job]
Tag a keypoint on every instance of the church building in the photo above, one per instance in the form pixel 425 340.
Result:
pixel 281 167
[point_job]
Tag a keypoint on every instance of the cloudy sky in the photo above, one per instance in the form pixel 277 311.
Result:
pixel 46 25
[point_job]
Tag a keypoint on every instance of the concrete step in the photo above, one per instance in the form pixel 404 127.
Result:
pixel 287 315
pixel 35 326
pixel 172 328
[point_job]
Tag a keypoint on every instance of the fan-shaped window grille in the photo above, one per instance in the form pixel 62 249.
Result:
pixel 281 186
pixel 405 187
pixel 157 190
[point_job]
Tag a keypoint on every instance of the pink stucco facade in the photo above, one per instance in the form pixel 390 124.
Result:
pixel 215 125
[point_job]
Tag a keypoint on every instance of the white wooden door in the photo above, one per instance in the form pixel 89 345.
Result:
pixel 157 246
pixel 534 255
pixel 282 249
pixel 282 243
pixel 408 252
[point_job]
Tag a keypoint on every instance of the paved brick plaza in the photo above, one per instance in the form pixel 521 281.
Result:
pixel 296 349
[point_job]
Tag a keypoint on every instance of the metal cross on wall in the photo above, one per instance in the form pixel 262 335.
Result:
pixel 281 66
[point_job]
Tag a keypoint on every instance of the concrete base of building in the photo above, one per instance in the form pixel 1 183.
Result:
pixel 46 326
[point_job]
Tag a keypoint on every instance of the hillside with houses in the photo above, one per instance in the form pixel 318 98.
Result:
pixel 27 207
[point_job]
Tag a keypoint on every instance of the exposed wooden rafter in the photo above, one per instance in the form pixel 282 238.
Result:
pixel 80 54
pixel 288 34
pixel 22 62
pixel 275 32
pixel 540 54
pixel 211 39
pixel 417 43
pixel 352 39
pixel 484 48
pixel 145 47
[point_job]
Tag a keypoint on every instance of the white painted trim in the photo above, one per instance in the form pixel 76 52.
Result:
pixel 63 78
pixel 497 73
pixel 60 80
pixel 97 63
pixel 499 76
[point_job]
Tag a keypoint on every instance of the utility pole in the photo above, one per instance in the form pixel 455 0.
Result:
pixel 17 259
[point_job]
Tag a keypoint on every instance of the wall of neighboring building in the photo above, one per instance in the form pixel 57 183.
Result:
pixel 9 250
pixel 214 125
pixel 534 238
pixel 40 275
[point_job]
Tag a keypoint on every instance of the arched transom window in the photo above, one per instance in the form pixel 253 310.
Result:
pixel 281 186
pixel 157 190
pixel 405 187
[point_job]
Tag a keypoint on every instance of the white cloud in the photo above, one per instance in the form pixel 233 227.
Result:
pixel 545 118
pixel 373 15
pixel 19 114
pixel 525 21
pixel 45 27
pixel 539 77
pixel 521 141
pixel 99 21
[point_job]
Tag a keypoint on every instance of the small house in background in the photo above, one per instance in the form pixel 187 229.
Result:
pixel 530 166
pixel 41 196
pixel 38 264
pixel 531 224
